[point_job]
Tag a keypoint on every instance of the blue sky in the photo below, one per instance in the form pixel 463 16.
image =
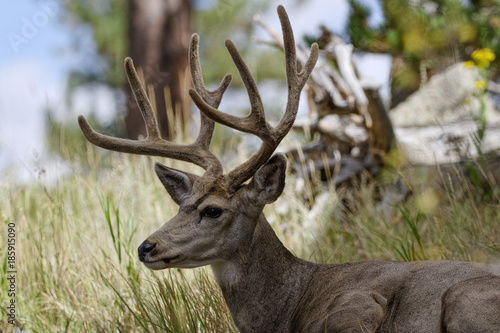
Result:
pixel 36 55
pixel 33 69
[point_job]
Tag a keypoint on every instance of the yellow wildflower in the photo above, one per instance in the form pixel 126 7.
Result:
pixel 469 64
pixel 483 57
pixel 480 84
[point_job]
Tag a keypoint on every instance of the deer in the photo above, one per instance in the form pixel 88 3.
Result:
pixel 266 288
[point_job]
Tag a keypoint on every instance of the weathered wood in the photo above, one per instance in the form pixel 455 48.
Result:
pixel 341 93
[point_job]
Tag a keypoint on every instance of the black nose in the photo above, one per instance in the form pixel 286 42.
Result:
pixel 144 249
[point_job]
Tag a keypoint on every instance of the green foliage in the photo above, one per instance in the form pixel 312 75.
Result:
pixel 109 23
pixel 121 234
pixel 406 246
pixel 429 33
pixel 357 26
pixel 482 60
pixel 234 20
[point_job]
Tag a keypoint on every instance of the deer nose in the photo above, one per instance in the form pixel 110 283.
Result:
pixel 144 249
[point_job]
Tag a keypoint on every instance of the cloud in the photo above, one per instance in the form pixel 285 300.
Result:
pixel 27 88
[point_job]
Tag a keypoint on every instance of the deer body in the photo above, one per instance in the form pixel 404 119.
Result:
pixel 396 297
pixel 267 289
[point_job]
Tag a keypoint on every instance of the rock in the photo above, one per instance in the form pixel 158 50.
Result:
pixel 435 125
pixel 447 97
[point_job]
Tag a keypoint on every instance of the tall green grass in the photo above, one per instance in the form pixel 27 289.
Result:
pixel 77 239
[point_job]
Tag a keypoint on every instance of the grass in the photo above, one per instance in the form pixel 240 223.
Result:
pixel 77 269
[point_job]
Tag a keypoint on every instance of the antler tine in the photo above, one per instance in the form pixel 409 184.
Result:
pixel 296 80
pixel 256 123
pixel 196 153
pixel 142 99
pixel 212 98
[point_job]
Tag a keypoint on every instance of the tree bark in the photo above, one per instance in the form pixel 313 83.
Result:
pixel 159 34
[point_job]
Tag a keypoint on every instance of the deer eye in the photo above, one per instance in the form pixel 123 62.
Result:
pixel 211 212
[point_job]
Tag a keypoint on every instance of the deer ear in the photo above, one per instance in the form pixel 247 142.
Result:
pixel 177 183
pixel 269 181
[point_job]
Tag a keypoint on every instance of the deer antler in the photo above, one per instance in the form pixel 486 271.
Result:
pixel 198 152
pixel 208 101
pixel 255 123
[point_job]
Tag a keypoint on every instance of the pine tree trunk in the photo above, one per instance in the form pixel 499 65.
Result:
pixel 159 34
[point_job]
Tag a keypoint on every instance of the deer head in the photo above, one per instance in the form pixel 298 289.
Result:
pixel 218 212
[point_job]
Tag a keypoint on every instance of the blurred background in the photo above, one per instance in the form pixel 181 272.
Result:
pixel 62 58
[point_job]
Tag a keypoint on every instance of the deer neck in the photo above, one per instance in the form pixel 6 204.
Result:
pixel 263 283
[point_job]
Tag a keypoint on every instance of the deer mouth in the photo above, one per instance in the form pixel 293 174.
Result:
pixel 160 263
pixel 169 260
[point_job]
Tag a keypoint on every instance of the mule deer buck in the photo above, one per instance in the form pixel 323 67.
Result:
pixel 267 289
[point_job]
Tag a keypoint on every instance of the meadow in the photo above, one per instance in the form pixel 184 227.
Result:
pixel 76 240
